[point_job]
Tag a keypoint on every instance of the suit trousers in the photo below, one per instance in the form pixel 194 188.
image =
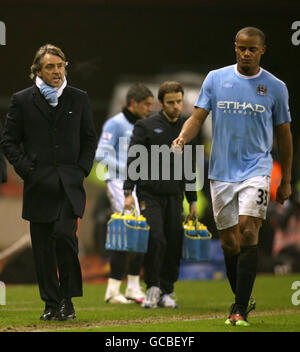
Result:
pixel 55 251
pixel 162 260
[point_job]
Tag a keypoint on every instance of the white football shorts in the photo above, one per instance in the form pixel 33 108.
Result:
pixel 231 199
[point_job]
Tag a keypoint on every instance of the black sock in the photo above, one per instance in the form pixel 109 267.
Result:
pixel 246 273
pixel 231 270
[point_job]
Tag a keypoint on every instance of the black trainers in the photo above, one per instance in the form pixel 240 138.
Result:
pixel 66 310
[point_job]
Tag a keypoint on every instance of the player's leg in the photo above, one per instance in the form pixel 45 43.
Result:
pixel 113 294
pixel 245 269
pixel 118 259
pixel 135 263
pixel 153 211
pixel 171 262
pixel 247 262
pixel 253 201
pixel 225 209
pixel 133 289
pixel 229 239
pixel 226 213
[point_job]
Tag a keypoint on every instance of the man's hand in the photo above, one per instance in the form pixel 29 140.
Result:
pixel 177 145
pixel 193 211
pixel 129 202
pixel 190 128
pixel 283 192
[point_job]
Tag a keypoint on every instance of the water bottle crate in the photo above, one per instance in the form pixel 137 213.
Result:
pixel 127 232
pixel 196 242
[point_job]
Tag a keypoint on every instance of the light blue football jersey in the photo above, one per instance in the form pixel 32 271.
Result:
pixel 113 145
pixel 244 112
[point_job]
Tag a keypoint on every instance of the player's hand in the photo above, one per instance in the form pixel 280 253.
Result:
pixel 129 202
pixel 193 211
pixel 283 192
pixel 178 144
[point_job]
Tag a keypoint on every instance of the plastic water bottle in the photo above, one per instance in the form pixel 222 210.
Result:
pixel 143 235
pixel 113 229
pixel 117 220
pixel 204 248
pixel 190 228
pixel 141 221
pixel 130 220
pixel 202 230
pixel 130 232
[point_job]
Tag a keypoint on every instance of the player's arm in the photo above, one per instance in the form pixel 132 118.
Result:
pixel 106 149
pixel 191 127
pixel 285 147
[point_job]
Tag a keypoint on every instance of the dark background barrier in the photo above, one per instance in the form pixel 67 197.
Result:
pixel 106 39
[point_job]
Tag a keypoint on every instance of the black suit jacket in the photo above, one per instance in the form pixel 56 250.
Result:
pixel 3 172
pixel 50 148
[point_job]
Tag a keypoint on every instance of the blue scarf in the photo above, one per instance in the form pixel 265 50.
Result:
pixel 49 93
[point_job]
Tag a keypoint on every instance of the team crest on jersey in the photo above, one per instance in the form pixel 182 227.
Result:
pixel 261 89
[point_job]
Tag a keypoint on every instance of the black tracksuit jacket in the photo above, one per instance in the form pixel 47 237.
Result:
pixel 157 130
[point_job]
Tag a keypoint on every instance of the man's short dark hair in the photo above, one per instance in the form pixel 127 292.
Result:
pixel 169 87
pixel 138 92
pixel 252 32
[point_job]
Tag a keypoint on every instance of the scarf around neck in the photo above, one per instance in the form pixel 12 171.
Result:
pixel 51 94
pixel 130 116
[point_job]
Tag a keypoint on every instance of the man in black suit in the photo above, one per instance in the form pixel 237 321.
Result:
pixel 3 172
pixel 49 138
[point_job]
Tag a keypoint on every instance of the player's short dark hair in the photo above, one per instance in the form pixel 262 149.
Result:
pixel 139 92
pixel 169 87
pixel 42 51
pixel 252 32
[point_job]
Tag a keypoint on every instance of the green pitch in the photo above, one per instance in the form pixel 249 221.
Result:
pixel 203 307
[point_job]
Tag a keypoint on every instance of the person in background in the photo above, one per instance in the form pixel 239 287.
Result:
pixel 3 169
pixel 160 199
pixel 112 149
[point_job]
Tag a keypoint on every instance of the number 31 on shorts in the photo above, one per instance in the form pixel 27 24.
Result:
pixel 263 197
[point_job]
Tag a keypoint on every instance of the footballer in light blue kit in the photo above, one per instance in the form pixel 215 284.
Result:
pixel 112 151
pixel 247 104
pixel 244 110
